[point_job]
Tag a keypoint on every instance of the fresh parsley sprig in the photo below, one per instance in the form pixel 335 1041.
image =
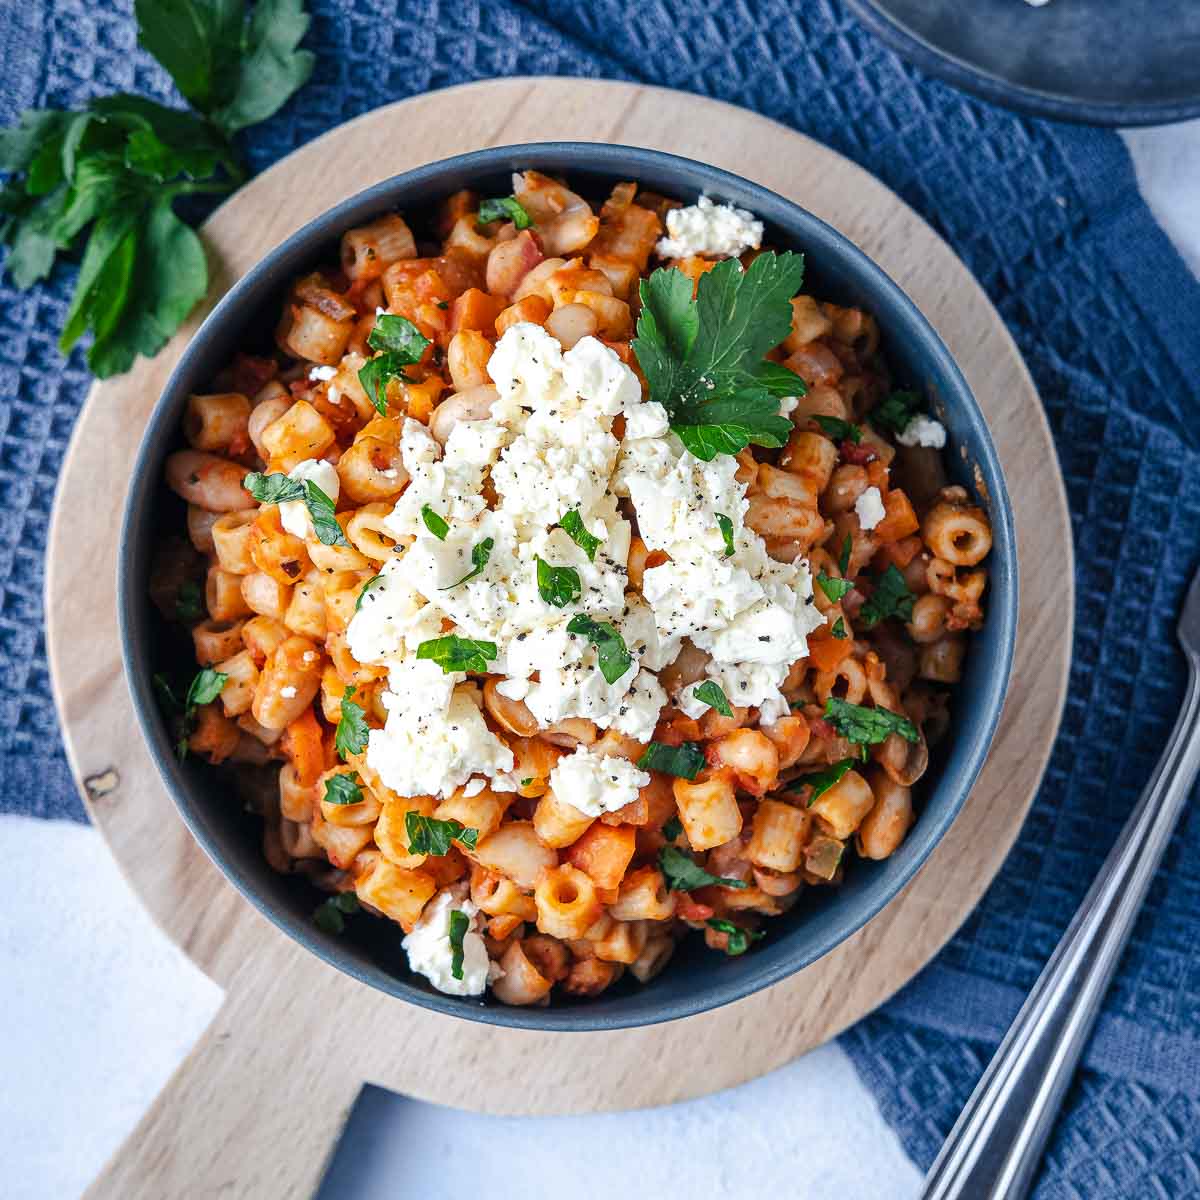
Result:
pixel 480 553
pixel 278 488
pixel 682 873
pixel 352 728
pixel 725 525
pixel 330 915
pixel 838 430
pixel 611 652
pixel 891 598
pixel 867 726
pixel 705 358
pixel 504 208
pixel 737 939
pixel 821 781
pixel 893 413
pixel 684 762
pixel 453 653
pixel 372 584
pixel 400 344
pixel 429 835
pixel 456 933
pixel 105 180
pixel 577 531
pixel 710 693
pixel 833 587
pixel 343 789
pixel 558 586
pixel 205 687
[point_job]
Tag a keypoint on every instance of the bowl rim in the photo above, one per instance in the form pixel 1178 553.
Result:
pixel 812 234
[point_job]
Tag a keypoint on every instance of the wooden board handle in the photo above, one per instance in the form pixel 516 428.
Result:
pixel 252 1111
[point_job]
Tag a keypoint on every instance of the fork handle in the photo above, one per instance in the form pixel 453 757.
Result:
pixel 994 1149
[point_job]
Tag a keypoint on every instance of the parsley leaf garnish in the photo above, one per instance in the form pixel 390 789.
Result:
pixel 277 488
pixel 329 916
pixel 374 582
pixel 611 652
pixel 672 829
pixel 891 598
pixel 429 835
pixel 834 588
pixel 737 939
pixel 558 586
pixel 838 430
pixel 682 873
pixel 401 344
pixel 352 728
pixel 459 924
pixel 453 653
pixel 867 726
pixel 206 687
pixel 504 208
pixel 189 605
pixel 822 781
pixel 572 523
pixel 434 523
pixel 844 557
pixel 684 762
pixel 343 789
pixel 710 693
pixel 839 629
pixel 480 553
pixel 101 184
pixel 893 413
pixel 704 359
pixel 726 527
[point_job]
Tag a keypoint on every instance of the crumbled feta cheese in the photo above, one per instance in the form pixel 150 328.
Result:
pixel 287 692
pixel 923 431
pixel 430 953
pixel 596 783
pixel 869 507
pixel 293 514
pixel 788 405
pixel 647 420
pixel 474 788
pixel 322 374
pixel 713 230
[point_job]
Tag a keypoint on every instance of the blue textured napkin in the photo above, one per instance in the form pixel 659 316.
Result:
pixel 1049 219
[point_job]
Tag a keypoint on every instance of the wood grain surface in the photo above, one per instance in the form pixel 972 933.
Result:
pixel 257 1106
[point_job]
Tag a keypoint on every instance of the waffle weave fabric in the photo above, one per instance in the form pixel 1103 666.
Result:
pixel 1050 220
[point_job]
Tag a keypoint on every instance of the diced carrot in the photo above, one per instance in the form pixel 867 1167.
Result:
pixel 899 520
pixel 877 474
pixel 900 553
pixel 304 747
pixel 477 310
pixel 825 651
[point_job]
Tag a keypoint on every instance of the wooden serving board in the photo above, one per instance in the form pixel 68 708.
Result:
pixel 258 1105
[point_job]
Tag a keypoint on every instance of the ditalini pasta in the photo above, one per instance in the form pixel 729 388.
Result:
pixel 567 578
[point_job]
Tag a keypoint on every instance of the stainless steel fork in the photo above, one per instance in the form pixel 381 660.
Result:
pixel 994 1149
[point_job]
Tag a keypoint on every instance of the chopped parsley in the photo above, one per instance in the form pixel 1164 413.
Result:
pixel 844 557
pixel 838 430
pixel 737 939
pixel 572 523
pixel 893 413
pixel 400 344
pixel 682 873
pixel 891 598
pixel 710 693
pixel 684 762
pixel 204 689
pixel 673 828
pixel 352 728
pixel 367 588
pixel 345 788
pixel 434 523
pixel 459 924
pixel 822 781
pixel 558 586
pixel 428 835
pixel 480 553
pixel 839 629
pixel 834 588
pixel 504 208
pixel 726 527
pixel 705 358
pixel 277 488
pixel 867 726
pixel 189 605
pixel 453 653
pixel 330 915
pixel 611 652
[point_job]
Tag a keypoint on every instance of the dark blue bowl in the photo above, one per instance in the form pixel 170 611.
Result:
pixel 696 979
pixel 1102 62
